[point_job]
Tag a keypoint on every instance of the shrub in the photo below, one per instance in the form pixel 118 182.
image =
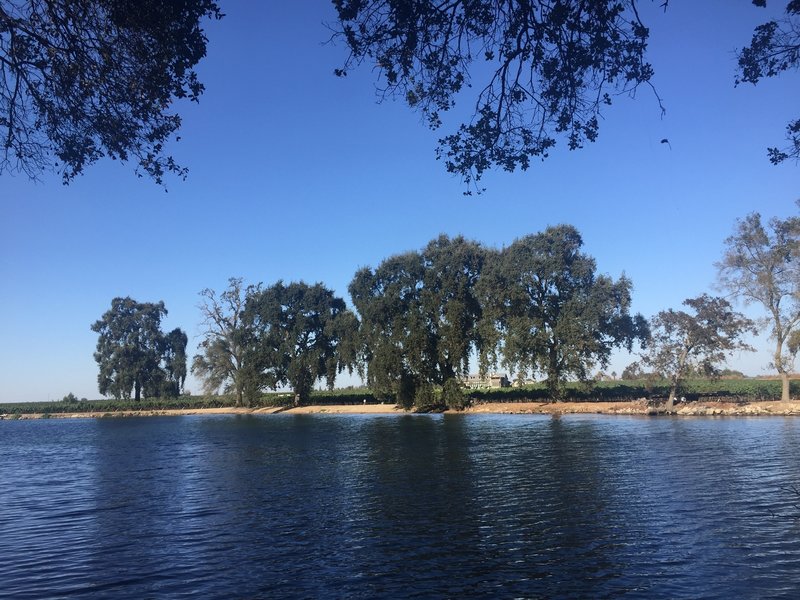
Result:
pixel 453 396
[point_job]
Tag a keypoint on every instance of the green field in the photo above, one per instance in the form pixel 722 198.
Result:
pixel 733 390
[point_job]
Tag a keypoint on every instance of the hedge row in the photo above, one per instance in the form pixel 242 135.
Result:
pixel 723 389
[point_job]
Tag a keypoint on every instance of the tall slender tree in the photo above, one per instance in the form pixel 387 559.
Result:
pixel 761 265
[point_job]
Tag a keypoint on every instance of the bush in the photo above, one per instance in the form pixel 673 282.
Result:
pixel 453 396
pixel 425 399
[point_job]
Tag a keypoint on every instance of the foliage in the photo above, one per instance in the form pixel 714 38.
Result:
pixel 546 311
pixel 84 79
pixel 775 48
pixel 134 354
pixel 419 316
pixel 453 396
pixel 634 371
pixel 762 265
pixel 682 341
pixel 70 399
pixel 552 65
pixel 610 391
pixel 221 363
pixel 299 336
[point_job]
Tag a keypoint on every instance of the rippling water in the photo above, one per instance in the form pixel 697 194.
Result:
pixel 399 506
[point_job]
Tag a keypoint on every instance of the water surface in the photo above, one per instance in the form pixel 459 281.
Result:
pixel 364 506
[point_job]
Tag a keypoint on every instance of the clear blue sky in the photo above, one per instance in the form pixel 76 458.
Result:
pixel 297 174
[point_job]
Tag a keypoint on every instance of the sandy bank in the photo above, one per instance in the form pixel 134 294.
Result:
pixel 146 413
pixel 638 407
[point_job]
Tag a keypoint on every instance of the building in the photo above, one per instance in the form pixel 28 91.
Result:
pixel 492 380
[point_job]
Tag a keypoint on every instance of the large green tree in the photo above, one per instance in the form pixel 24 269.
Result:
pixel 222 360
pixel 419 314
pixel 84 79
pixel 302 333
pixel 541 69
pixel 134 355
pixel 547 312
pixel 761 265
pixel 698 341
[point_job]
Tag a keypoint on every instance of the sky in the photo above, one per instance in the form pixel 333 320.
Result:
pixel 296 174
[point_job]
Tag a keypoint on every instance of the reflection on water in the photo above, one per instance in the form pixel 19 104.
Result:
pixel 398 506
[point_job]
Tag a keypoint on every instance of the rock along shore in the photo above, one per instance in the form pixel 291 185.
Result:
pixel 638 407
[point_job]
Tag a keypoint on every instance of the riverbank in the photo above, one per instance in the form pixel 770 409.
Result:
pixel 638 407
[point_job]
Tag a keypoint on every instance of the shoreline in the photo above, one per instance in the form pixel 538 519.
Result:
pixel 775 408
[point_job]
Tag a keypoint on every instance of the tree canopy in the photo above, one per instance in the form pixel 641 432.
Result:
pixel 84 79
pixel 682 342
pixel 552 67
pixel 302 333
pixel 546 311
pixel 761 265
pixel 134 355
pixel 419 315
pixel 542 70
pixel 775 48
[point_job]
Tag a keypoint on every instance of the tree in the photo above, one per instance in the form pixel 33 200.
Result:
pixel 551 68
pixel 683 342
pixel 762 265
pixel 84 79
pixel 221 364
pixel 133 353
pixel 300 336
pixel 775 48
pixel 546 312
pixel 174 360
pixel 419 315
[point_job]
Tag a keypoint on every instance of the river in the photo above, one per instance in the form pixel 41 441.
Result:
pixel 428 506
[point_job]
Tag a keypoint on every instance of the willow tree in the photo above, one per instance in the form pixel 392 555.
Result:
pixel 547 312
pixel 761 265
pixel 301 334
pixel 419 315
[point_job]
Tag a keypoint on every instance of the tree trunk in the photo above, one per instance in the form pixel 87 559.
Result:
pixel 780 365
pixel 677 377
pixel 671 400
pixel 137 390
